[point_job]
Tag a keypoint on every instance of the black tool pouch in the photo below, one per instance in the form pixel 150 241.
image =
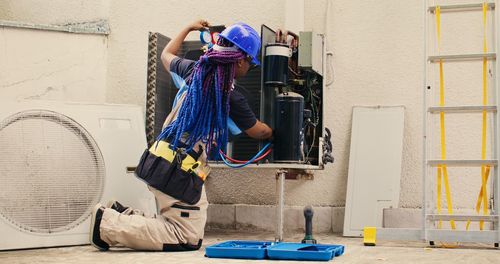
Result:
pixel 169 178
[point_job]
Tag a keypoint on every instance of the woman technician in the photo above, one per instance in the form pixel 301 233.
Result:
pixel 175 167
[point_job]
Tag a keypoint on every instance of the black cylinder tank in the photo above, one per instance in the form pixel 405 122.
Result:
pixel 276 64
pixel 288 134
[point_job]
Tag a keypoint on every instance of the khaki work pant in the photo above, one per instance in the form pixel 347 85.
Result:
pixel 179 226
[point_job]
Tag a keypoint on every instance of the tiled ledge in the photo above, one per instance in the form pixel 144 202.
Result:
pixel 325 220
pixel 262 217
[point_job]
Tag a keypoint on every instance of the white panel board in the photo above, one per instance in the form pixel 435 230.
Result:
pixel 374 166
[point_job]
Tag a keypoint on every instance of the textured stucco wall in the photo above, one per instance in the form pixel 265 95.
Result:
pixel 53 11
pixel 378 56
pixel 52 65
pixel 378 60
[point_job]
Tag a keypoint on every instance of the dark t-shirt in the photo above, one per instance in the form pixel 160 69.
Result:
pixel 239 110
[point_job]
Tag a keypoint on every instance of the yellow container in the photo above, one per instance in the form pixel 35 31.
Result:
pixel 369 235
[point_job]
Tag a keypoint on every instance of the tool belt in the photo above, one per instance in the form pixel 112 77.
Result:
pixel 174 172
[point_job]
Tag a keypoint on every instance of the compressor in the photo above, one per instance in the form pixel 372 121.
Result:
pixel 288 132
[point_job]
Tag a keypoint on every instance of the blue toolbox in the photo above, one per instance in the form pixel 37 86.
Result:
pixel 270 250
pixel 238 249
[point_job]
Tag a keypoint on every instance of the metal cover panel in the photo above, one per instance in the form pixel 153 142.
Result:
pixel 374 166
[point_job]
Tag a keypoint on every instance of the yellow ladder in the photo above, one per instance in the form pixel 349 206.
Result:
pixel 437 166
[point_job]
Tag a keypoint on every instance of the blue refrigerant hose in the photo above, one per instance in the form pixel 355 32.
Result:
pixel 248 162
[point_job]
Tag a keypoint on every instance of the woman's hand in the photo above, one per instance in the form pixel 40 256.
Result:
pixel 200 24
pixel 170 51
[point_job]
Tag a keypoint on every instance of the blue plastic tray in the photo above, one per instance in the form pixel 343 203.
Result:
pixel 265 249
pixel 298 251
pixel 238 249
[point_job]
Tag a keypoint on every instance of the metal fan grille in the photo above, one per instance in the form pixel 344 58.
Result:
pixel 51 171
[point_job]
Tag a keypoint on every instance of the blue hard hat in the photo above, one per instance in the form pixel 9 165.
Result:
pixel 244 37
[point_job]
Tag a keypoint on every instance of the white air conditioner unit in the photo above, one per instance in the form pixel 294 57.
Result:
pixel 57 160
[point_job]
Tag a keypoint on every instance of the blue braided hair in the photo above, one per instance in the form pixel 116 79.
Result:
pixel 203 114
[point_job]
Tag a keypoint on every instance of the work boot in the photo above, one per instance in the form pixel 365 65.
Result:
pixel 115 205
pixel 95 233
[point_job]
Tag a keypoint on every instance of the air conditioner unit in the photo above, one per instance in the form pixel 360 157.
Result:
pixel 57 160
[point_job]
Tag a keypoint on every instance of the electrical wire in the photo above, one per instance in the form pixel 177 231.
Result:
pixel 314 107
pixel 312 144
pixel 297 75
pixel 246 163
pixel 330 78
pixel 329 71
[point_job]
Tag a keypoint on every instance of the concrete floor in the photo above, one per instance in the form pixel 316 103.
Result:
pixel 385 252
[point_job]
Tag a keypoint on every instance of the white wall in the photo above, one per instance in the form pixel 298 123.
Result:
pixel 53 11
pixel 52 65
pixel 37 64
pixel 378 60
